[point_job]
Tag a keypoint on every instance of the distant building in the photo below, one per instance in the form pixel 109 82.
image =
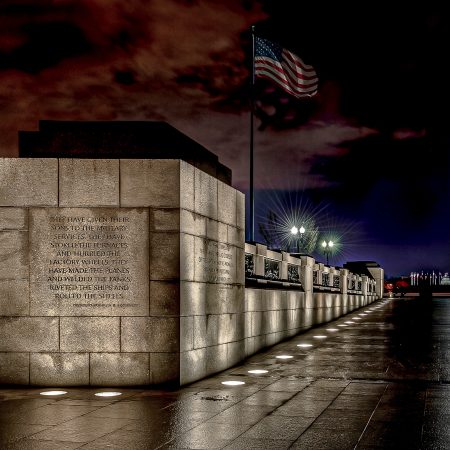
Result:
pixel 433 278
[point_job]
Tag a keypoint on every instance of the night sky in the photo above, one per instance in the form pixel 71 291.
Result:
pixel 368 154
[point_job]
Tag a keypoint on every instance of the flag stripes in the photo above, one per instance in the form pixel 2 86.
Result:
pixel 285 68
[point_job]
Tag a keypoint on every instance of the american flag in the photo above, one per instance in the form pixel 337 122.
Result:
pixel 285 68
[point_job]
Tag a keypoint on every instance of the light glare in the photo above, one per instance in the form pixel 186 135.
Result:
pixel 233 383
pixel 304 345
pixel 107 394
pixel 284 356
pixel 53 393
pixel 258 371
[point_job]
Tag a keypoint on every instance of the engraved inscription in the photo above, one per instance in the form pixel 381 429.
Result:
pixel 218 262
pixel 92 260
pixel 226 263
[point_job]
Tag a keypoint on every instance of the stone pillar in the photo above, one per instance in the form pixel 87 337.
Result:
pixel 284 265
pixel 333 273
pixel 321 267
pixel 378 275
pixel 261 252
pixel 306 275
pixel 364 285
pixel 344 281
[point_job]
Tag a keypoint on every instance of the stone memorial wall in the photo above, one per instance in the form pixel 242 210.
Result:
pixel 212 280
pixel 88 262
pixel 108 269
pixel 122 272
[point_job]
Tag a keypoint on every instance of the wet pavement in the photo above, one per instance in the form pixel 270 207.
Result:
pixel 377 379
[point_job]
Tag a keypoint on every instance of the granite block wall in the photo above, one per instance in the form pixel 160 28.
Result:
pixel 211 279
pixel 117 272
pixel 272 315
pixel 131 272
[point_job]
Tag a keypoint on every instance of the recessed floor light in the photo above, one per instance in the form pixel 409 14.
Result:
pixel 53 393
pixel 332 329
pixel 284 356
pixel 107 394
pixel 233 383
pixel 342 325
pixel 258 371
pixel 319 336
pixel 356 318
pixel 350 322
pixel 363 314
pixel 304 345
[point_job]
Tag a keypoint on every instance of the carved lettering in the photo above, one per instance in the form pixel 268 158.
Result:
pixel 90 255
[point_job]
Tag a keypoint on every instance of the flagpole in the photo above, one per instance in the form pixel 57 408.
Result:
pixel 252 101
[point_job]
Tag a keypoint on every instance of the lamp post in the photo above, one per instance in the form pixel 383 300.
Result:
pixel 327 248
pixel 295 231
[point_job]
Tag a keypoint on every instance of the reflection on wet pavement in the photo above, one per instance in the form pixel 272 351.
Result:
pixel 379 382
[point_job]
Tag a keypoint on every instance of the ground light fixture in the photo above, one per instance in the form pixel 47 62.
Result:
pixel 350 322
pixel 258 371
pixel 319 336
pixel 53 393
pixel 233 383
pixel 284 356
pixel 304 345
pixel 332 329
pixel 342 325
pixel 107 394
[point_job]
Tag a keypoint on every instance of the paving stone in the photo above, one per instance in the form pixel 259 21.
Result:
pixel 325 397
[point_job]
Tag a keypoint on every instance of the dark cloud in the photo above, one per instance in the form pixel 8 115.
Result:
pixel 125 77
pixel 46 45
pixel 374 141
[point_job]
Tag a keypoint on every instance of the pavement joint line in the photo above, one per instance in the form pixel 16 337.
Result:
pixel 312 423
pixel 423 421
pixel 370 418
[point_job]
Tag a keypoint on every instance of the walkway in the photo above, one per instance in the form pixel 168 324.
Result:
pixel 378 379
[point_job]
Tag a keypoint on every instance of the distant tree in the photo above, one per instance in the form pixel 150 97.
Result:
pixel 277 233
pixel 269 231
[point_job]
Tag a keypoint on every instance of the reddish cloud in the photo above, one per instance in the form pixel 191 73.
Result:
pixel 177 61
pixel 403 133
pixel 129 67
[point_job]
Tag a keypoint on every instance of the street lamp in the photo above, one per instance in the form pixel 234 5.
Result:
pixel 295 231
pixel 327 248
